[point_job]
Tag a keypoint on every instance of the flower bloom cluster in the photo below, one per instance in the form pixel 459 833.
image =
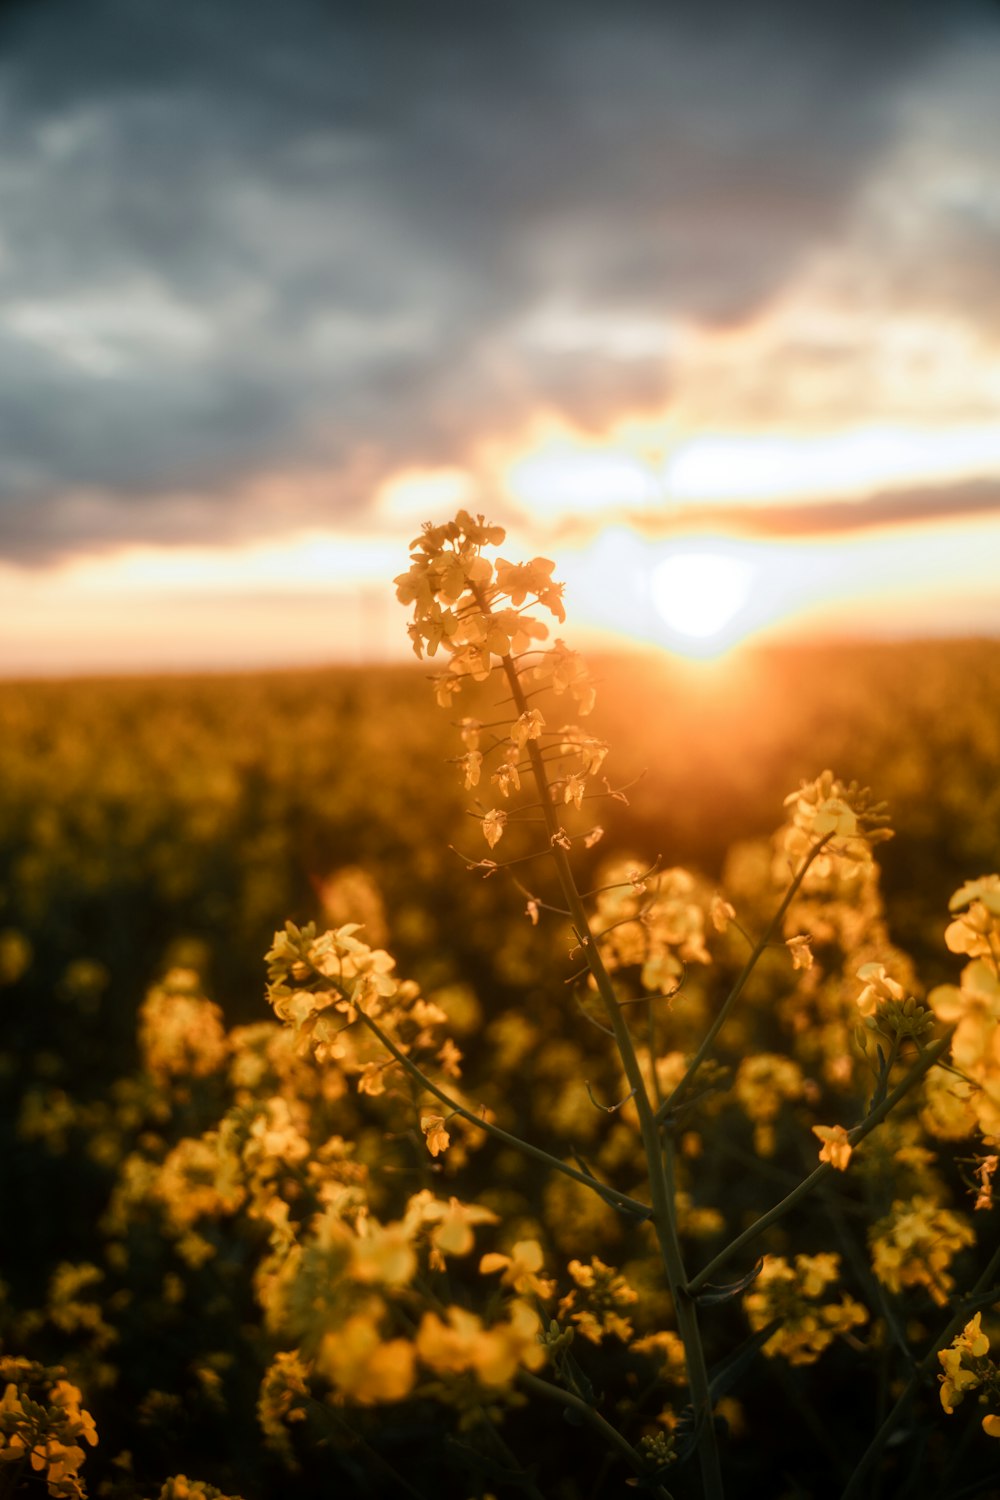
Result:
pixel 181 1033
pixel 763 1084
pixel 845 816
pixel 651 921
pixel 476 611
pixel 598 1301
pixel 318 984
pixel 42 1425
pixel 915 1244
pixel 967 1367
pixel 180 1487
pixel 973 1006
pixel 885 1007
pixel 335 1290
pixel 794 1293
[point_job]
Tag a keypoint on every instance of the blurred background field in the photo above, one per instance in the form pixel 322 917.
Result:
pixel 147 820
pixel 158 822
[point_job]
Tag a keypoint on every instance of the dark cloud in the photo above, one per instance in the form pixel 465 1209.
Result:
pixel 239 236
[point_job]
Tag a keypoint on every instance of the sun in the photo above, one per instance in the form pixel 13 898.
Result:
pixel 699 596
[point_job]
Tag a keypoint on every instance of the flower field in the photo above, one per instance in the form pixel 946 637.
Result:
pixel 568 1089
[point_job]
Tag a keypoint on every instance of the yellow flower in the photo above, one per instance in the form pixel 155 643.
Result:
pixel 964 1364
pixel 493 826
pixel 955 1381
pixel 915 1244
pixel 792 1293
pixel 977 930
pixel 463 1345
pixel 800 949
pixel 438 1139
pixel 528 727
pixel 363 1367
pixel 382 1253
pixel 836 1146
pixel 878 986
pixel 520 1269
pixel 722 912
pixel 472 764
pixel 597 1302
pixel 450 1224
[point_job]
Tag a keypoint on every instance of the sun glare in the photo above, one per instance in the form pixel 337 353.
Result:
pixel 698 593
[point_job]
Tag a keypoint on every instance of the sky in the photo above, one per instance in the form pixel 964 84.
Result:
pixel 702 300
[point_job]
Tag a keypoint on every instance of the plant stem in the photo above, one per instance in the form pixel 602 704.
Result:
pixel 926 1060
pixel 682 1089
pixel 663 1216
pixel 590 1414
pixel 984 1285
pixel 610 1195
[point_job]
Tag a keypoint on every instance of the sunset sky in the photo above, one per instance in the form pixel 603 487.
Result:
pixel 702 300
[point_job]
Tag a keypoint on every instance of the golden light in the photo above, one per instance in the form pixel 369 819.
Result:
pixel 558 475
pixel 790 467
pixel 699 594
pixel 568 476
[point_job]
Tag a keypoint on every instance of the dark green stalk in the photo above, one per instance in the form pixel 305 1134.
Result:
pixel 591 1415
pixel 926 1060
pixel 982 1295
pixel 682 1089
pixel 663 1217
pixel 610 1195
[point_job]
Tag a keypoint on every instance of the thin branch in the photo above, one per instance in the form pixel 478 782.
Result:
pixel 982 1295
pixel 682 1088
pixel 588 1017
pixel 621 1201
pixel 592 1416
pixel 608 1109
pixel 926 1061
pixel 620 885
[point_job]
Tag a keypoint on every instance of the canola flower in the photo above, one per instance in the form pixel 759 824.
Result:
pixel 375 1290
pixel 42 1426
pixel 966 1367
pixel 794 1293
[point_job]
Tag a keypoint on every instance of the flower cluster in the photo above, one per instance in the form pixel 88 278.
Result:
pixel 844 816
pixel 885 1007
pixel 794 1293
pixel 42 1425
pixel 181 1033
pixel 763 1084
pixel 319 983
pixel 967 1367
pixel 652 921
pixel 477 612
pixel 973 1006
pixel 915 1244
pixel 180 1487
pixel 455 593
pixel 598 1301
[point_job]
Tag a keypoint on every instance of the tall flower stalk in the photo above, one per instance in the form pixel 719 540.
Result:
pixel 477 613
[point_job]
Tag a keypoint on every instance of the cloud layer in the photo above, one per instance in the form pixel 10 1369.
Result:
pixel 245 239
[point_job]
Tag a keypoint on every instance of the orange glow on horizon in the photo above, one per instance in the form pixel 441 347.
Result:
pixel 326 596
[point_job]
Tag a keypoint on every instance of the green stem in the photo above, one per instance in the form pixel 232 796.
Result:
pixel 663 1216
pixel 984 1293
pixel 683 1088
pixel 926 1060
pixel 591 1415
pixel 610 1195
